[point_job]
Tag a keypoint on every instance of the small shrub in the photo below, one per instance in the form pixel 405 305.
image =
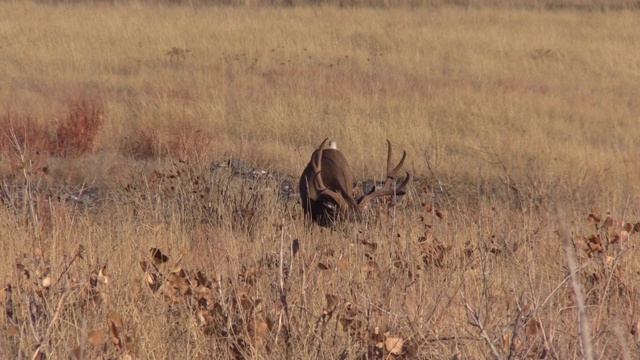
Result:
pixel 77 132
pixel 189 142
pixel 141 144
pixel 23 136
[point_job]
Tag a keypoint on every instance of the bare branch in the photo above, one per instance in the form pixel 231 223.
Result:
pixel 475 321
pixel 572 264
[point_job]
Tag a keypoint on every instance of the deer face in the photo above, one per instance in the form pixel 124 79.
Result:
pixel 326 187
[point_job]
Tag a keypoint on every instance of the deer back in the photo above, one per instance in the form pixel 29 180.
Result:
pixel 326 186
pixel 336 175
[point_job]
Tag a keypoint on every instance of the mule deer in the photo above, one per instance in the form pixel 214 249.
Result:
pixel 326 186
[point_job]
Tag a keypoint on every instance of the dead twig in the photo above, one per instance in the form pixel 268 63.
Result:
pixel 572 264
pixel 475 321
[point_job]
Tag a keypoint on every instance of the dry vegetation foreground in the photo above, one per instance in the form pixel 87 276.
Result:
pixel 121 236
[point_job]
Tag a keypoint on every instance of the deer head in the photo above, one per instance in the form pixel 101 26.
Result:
pixel 326 186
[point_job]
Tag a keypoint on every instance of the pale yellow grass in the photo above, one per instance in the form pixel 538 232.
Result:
pixel 503 113
pixel 524 85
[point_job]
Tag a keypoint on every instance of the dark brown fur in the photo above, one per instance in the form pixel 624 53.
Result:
pixel 337 176
pixel 326 187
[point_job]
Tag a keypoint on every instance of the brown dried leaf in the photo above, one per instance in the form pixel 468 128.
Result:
pixel 619 236
pixel 12 330
pixel 177 269
pixel 371 245
pixel 609 260
pixel 532 327
pixel 332 300
pixel 393 345
pixel 102 275
pixel 114 321
pixel 594 247
pixel 46 282
pixel 635 330
pixel 595 239
pixel 424 186
pixel 506 340
pixel 76 354
pixel 345 322
pixel 158 256
pixel 624 235
pixel 343 263
pixel 129 344
pixel 246 304
pixel 608 222
pixel 95 337
pixel 144 265
pixel 204 317
pixel 180 283
pixel 170 292
pixel 152 280
pixel 322 266
pixel 594 218
pixel 377 336
pixel 370 266
pixel 262 326
pixel 23 269
pixel 202 280
pixel 204 296
pixel 350 309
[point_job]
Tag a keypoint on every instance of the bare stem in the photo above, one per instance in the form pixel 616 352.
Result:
pixel 475 321
pixel 572 263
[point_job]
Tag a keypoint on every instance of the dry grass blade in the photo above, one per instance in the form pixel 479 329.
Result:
pixel 50 327
pixel 572 264
pixel 475 321
pixel 179 153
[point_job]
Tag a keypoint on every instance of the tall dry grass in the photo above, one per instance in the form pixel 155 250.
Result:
pixel 506 114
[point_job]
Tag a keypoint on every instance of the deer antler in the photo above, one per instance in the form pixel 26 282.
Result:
pixel 318 183
pixel 388 189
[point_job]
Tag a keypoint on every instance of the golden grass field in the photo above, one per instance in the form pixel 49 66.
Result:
pixel 520 125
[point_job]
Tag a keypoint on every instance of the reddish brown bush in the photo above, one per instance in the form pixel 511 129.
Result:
pixel 23 137
pixel 189 142
pixel 77 132
pixel 141 144
pixel 184 141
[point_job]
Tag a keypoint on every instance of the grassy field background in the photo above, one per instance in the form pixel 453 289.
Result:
pixel 114 113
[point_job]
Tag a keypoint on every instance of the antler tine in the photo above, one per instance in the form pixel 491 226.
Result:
pixel 400 189
pixel 388 189
pixel 316 164
pixel 389 152
pixel 322 144
pixel 393 173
